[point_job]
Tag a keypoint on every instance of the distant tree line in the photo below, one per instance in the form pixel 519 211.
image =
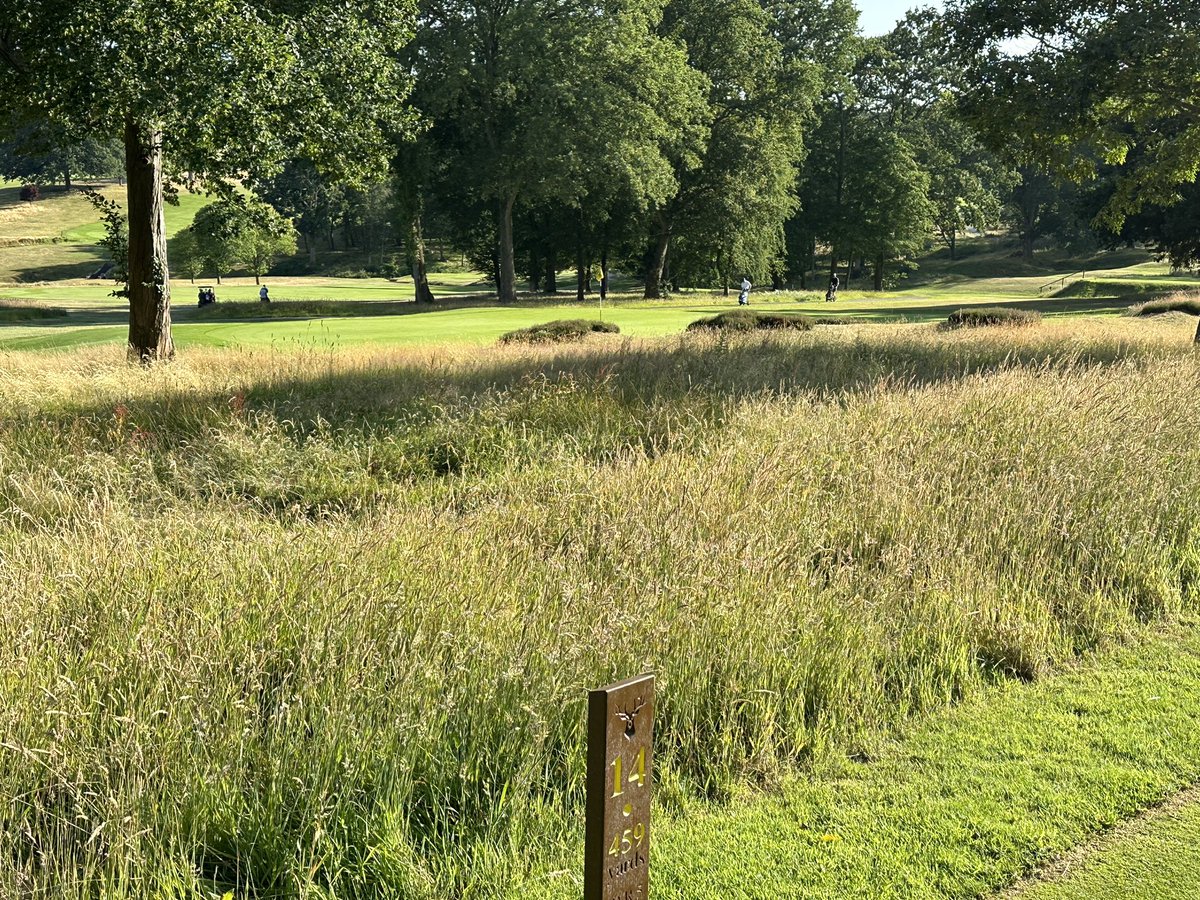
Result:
pixel 685 142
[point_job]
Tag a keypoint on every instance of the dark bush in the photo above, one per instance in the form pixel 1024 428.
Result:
pixel 30 192
pixel 992 315
pixel 748 320
pixel 558 332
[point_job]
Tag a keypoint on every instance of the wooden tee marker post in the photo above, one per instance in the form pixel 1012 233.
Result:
pixel 616 855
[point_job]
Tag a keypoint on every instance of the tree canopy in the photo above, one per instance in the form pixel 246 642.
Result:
pixel 1101 82
pixel 684 141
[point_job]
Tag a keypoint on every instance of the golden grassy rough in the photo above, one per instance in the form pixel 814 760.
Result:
pixel 321 625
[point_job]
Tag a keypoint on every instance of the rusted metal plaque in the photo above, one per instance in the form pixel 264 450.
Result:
pixel 616 862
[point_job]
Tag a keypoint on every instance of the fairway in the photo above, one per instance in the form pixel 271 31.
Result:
pixel 471 319
pixel 484 324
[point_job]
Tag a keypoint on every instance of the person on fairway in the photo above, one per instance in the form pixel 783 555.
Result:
pixel 744 296
pixel 263 296
pixel 834 284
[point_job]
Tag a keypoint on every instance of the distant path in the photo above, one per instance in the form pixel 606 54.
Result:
pixel 1155 856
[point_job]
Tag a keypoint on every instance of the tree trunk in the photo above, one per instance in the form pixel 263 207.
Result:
pixel 953 244
pixel 149 279
pixel 879 272
pixel 580 273
pixel 424 294
pixel 67 178
pixel 604 277
pixel 551 273
pixel 583 265
pixel 506 288
pixel 658 264
pixel 535 272
pixel 332 245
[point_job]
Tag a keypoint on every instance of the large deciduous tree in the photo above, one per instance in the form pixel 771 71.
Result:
pixel 910 79
pixel 207 90
pixel 313 201
pixel 1097 82
pixel 863 189
pixel 728 211
pixel 529 99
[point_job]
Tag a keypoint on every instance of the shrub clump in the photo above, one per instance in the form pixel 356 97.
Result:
pixel 558 331
pixel 747 320
pixel 30 193
pixel 1180 301
pixel 992 315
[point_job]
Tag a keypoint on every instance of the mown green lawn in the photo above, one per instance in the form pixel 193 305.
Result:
pixel 96 319
pixel 53 242
pixel 973 798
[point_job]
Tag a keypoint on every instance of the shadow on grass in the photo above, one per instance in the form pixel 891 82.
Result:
pixel 23 312
pixel 704 373
pixel 68 319
pixel 1001 259
pixel 904 309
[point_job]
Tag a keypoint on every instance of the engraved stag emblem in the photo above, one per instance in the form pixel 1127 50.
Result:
pixel 629 717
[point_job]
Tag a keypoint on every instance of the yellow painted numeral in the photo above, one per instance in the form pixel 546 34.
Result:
pixel 627 840
pixel 637 778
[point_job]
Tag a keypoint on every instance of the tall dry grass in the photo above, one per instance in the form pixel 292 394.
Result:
pixel 321 625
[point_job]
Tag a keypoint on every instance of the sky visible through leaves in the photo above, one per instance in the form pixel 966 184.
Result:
pixel 880 16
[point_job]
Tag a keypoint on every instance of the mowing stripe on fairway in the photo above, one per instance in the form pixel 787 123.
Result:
pixel 1153 857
